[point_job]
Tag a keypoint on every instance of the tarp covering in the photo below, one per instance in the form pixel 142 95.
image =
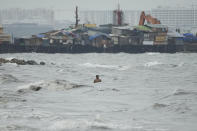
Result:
pixel 67 33
pixel 94 36
pixel 40 35
pixel 97 35
pixel 188 37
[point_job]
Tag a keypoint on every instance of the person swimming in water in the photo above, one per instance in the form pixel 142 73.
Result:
pixel 97 79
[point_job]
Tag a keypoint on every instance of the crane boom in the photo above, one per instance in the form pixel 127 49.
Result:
pixel 148 18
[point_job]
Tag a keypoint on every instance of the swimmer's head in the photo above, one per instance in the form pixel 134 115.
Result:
pixel 97 76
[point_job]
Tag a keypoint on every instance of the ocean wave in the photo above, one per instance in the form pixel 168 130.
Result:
pixel 179 108
pixel 87 125
pixel 159 106
pixel 10 97
pixel 56 85
pixel 176 107
pixel 152 63
pixel 179 101
pixel 9 58
pixel 183 92
pixel 16 128
pixel 177 65
pixel 115 67
pixel 179 92
pixel 182 109
pixel 153 53
pixel 156 63
pixel 11 64
pixel 181 64
pixel 7 78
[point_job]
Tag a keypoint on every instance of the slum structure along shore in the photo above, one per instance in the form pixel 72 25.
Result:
pixel 109 38
pixel 12 48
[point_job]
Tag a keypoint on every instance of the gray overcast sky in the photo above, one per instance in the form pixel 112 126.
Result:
pixel 67 6
pixel 92 4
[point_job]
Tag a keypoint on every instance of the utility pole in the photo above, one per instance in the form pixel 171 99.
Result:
pixel 76 17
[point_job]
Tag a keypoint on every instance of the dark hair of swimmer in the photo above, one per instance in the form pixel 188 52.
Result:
pixel 97 79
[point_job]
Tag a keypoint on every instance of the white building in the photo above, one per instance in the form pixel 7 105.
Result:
pixel 96 17
pixel 15 15
pixel 176 17
pixel 130 17
pixel 173 17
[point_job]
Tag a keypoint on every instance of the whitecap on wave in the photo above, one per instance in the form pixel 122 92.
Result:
pixel 55 85
pixel 181 64
pixel 86 125
pixel 153 53
pixel 184 92
pixel 115 67
pixel 156 63
pixel 9 58
pixel 152 63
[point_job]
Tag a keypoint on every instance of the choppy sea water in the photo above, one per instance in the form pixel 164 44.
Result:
pixel 138 92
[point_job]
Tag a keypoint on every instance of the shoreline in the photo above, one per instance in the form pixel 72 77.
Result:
pixel 75 49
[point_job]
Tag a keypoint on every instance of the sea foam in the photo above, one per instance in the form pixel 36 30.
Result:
pixel 114 67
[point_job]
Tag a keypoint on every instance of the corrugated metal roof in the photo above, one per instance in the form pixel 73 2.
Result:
pixel 124 28
pixel 157 26
pixel 174 34
pixel 143 28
